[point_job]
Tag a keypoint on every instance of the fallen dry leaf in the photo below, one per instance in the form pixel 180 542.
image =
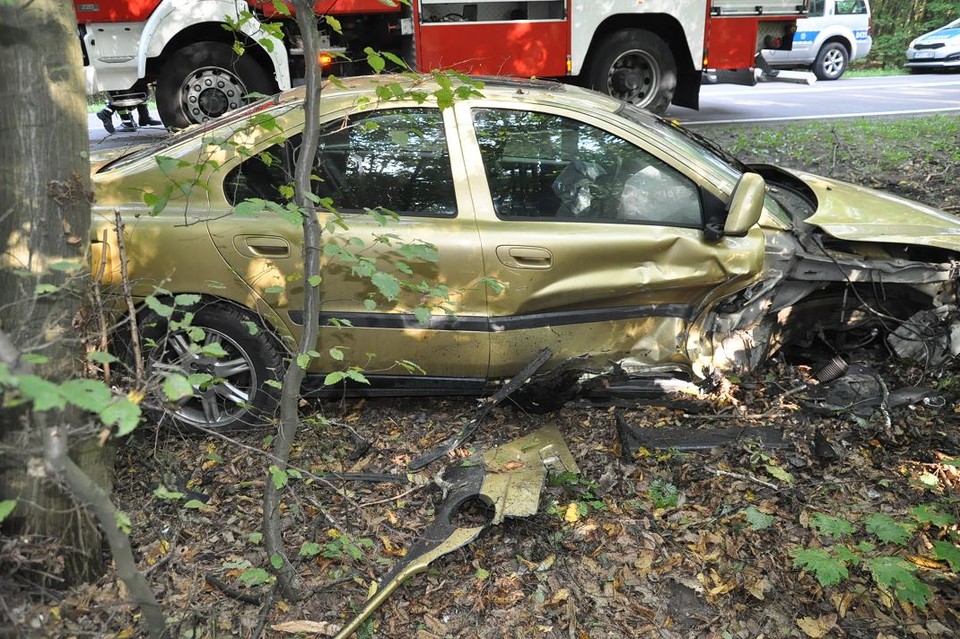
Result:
pixel 818 627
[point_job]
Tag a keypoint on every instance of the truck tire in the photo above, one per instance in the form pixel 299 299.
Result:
pixel 204 80
pixel 831 61
pixel 636 66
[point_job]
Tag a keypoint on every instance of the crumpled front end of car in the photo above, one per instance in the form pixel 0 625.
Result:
pixel 851 266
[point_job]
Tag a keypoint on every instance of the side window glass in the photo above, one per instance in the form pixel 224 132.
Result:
pixel 851 7
pixel 396 159
pixel 544 166
pixel 816 9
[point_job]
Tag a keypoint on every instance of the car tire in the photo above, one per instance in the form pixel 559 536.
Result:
pixel 831 61
pixel 241 395
pixel 204 80
pixel 636 66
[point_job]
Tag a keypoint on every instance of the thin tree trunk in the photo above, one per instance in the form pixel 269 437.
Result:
pixel 293 378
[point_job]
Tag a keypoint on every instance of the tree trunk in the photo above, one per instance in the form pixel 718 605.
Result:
pixel 44 228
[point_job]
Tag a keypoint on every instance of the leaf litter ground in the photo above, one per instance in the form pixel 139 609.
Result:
pixel 738 541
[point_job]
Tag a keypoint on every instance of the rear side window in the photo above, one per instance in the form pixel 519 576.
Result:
pixel 395 159
pixel 545 166
pixel 851 7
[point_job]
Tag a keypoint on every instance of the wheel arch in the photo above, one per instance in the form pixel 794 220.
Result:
pixel 265 318
pixel 843 37
pixel 215 32
pixel 671 32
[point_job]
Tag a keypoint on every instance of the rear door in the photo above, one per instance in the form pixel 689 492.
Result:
pixel 403 214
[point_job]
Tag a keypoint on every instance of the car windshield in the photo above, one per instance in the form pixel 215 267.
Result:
pixel 687 141
pixel 190 133
pixel 698 146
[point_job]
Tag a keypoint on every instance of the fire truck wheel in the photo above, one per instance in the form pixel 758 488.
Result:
pixel 636 66
pixel 205 80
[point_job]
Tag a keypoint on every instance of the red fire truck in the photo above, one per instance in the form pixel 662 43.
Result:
pixel 650 52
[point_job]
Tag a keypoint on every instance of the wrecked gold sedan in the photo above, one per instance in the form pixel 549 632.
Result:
pixel 463 241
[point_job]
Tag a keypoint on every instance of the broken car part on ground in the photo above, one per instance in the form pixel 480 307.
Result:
pixel 508 479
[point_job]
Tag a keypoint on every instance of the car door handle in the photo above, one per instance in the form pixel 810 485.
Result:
pixel 532 257
pixel 262 246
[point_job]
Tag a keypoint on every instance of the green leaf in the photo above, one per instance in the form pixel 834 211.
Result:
pixel 101 357
pixel 399 137
pixel 123 521
pixel 422 313
pixel 64 266
pixel 481 574
pixel 255 576
pixel 395 59
pixel 777 472
pixel 314 280
pixel 44 394
pixel 274 290
pixel 158 307
pixel 274 383
pixel 832 526
pixel 310 549
pixel 828 570
pixel 122 412
pixel 375 60
pixel 357 376
pixel 276 561
pixel 334 378
pixel 89 394
pixel 213 349
pixel 888 530
pixel 942 550
pixel 6 507
pixel 194 504
pixel 336 353
pixel 186 299
pixel 161 492
pixel 387 284
pixel 897 575
pixel 176 387
pixel 255 537
pixel 303 360
pixel 43 289
pixel 757 519
pixel 333 23
pixel 33 358
pixel 279 477
pixel 928 514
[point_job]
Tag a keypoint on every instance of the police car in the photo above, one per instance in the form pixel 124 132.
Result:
pixel 835 33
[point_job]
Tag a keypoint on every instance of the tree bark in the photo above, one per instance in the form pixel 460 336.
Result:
pixel 293 378
pixel 44 230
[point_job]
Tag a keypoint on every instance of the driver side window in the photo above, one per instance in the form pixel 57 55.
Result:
pixel 540 165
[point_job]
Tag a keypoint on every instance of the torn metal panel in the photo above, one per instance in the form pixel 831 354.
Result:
pixel 509 478
pixel 931 336
pixel 514 384
pixel 633 438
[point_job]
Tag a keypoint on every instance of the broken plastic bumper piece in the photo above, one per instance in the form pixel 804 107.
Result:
pixel 509 480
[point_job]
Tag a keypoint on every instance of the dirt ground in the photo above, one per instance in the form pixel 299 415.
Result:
pixel 729 542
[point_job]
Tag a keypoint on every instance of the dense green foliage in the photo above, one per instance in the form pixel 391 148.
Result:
pixel 897 22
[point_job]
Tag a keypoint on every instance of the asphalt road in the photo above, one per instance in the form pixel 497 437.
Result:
pixel 766 102
pixel 904 95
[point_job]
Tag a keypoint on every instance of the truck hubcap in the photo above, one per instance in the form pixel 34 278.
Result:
pixel 210 92
pixel 633 77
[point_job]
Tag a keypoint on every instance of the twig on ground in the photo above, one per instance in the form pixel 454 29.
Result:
pixel 756 480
